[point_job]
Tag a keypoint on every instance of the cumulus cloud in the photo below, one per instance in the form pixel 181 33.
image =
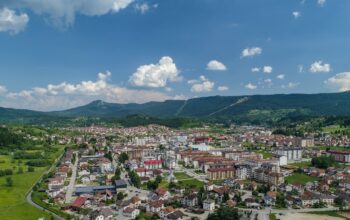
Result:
pixel 3 89
pixel 250 86
pixel 290 85
pixel 66 95
pixel 296 14
pixel 216 65
pixel 156 75
pixel 255 69
pixel 319 66
pixel 223 88
pixel 267 69
pixel 280 76
pixel 12 22
pixel 339 82
pixel 264 69
pixel 144 7
pixel 201 85
pixel 249 52
pixel 321 3
pixel 61 13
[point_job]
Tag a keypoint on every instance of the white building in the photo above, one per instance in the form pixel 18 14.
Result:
pixel 209 205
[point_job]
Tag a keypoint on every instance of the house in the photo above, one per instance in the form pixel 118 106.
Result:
pixel 85 179
pixel 78 203
pixel 270 198
pixel 190 200
pixel 131 212
pixel 345 183
pixel 166 211
pixel 209 186
pixel 106 213
pixel 177 215
pixel 105 165
pixel 308 199
pixel 209 205
pixel 56 183
pixel 155 206
pixel 135 202
pixel 162 193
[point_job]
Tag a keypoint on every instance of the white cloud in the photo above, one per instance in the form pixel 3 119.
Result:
pixel 3 89
pixel 12 22
pixel 321 3
pixel 264 69
pixel 290 85
pixel 296 14
pixel 156 75
pixel 143 7
pixel 61 13
pixel 268 80
pixel 66 95
pixel 255 69
pixel 319 66
pixel 280 76
pixel 216 65
pixel 201 85
pixel 250 86
pixel 223 88
pixel 300 68
pixel 267 69
pixel 249 52
pixel 339 82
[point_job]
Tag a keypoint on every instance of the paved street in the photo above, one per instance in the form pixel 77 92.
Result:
pixel 71 186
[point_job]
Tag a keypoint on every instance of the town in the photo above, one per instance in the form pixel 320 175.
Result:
pixel 155 172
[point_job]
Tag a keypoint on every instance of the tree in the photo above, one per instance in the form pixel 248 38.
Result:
pixel 30 169
pixel 120 196
pixel 123 157
pixel 20 170
pixel 225 197
pixel 323 162
pixel 117 174
pixel 159 179
pixel 224 213
pixel 109 156
pixel 9 182
pixel 135 179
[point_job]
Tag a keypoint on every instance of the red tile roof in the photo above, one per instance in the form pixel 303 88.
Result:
pixel 152 162
pixel 79 202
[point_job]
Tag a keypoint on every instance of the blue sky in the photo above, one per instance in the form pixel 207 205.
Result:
pixel 59 54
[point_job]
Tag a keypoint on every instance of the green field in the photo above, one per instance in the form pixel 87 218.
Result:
pixel 185 180
pixel 301 164
pixel 300 178
pixel 182 176
pixel 13 203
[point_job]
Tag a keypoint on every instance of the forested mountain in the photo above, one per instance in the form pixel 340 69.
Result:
pixel 215 107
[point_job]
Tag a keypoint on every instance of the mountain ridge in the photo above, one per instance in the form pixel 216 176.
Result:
pixel 328 104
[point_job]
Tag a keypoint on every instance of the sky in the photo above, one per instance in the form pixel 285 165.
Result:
pixel 59 54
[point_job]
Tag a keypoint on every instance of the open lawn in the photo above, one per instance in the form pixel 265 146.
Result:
pixel 301 164
pixel 185 180
pixel 300 178
pixel 13 203
pixel 182 176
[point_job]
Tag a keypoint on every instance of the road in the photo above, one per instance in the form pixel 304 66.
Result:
pixel 71 186
pixel 29 194
pixel 30 201
pixel 263 214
